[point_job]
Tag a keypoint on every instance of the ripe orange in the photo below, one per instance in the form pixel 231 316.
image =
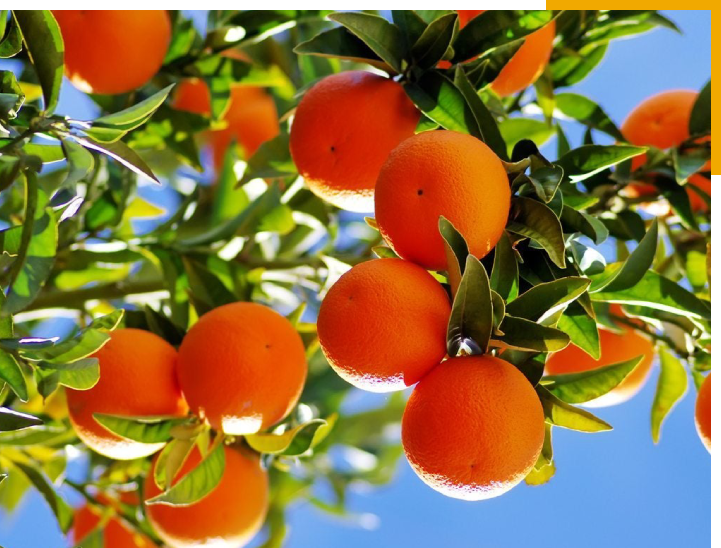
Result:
pixel 251 116
pixel 703 412
pixel 615 348
pixel 229 516
pixel 382 326
pixel 528 63
pixel 137 379
pixel 113 51
pixel 242 367
pixel 116 533
pixel 345 126
pixel 473 427
pixel 441 173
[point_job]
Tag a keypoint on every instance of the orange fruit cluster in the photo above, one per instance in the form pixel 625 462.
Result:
pixel 457 434
pixel 662 121
pixel 113 51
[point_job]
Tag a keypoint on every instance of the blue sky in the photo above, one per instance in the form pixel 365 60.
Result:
pixel 610 489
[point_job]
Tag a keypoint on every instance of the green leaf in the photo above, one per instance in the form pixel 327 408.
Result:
pixel 79 375
pixel 700 121
pixel 456 250
pixel 293 442
pixel 136 115
pixel 272 160
pixel 10 373
pixel 672 385
pixel 583 162
pixel 504 275
pixel 122 153
pixel 514 130
pixel 44 44
pixel 560 413
pixel 581 329
pixel 587 112
pixel 80 161
pixel 544 469
pixel 633 268
pixel 580 221
pixel 14 420
pixel 197 483
pixel 571 69
pixel 206 287
pixel 589 385
pixel 141 429
pixel 11 96
pixel 441 101
pixel 495 28
pixel 382 37
pixel 340 43
pixel 410 24
pixel 488 130
pixel 38 246
pixel 660 293
pixel 433 43
pixel 537 221
pixel 12 43
pixel 522 334
pixel 545 300
pixel 63 512
pixel 472 312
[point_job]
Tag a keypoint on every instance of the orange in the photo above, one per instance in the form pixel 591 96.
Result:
pixel 703 412
pixel 251 116
pixel 473 427
pixel 116 533
pixel 441 173
pixel 229 516
pixel 382 325
pixel 697 202
pixel 113 51
pixel 345 126
pixel 526 65
pixel 615 348
pixel 242 367
pixel 137 379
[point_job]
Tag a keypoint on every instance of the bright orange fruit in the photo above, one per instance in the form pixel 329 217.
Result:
pixel 344 128
pixel 116 532
pixel 441 173
pixel 137 379
pixel 242 367
pixel 473 427
pixel 615 348
pixel 382 325
pixel 228 517
pixel 113 51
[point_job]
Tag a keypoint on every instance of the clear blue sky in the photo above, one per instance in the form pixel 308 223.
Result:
pixel 611 489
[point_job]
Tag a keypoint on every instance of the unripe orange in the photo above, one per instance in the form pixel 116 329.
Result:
pixel 382 325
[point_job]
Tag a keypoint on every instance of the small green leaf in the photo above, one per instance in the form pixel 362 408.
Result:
pixel 281 444
pixel 456 250
pixel 441 101
pixel 544 469
pixel 410 24
pixel 587 112
pixel 80 161
pixel 121 153
pixel 63 512
pixel 514 130
pixel 10 373
pixel 537 221
pixel 581 163
pixel 580 221
pixel 44 44
pixel 589 385
pixel 14 420
pixel 545 300
pixel 564 415
pixel 472 312
pixel 141 429
pixel 382 37
pixel 581 329
pixel 12 43
pixel 522 334
pixel 197 483
pixel 136 115
pixel 700 121
pixel 340 43
pixel 433 43
pixel 672 385
pixel 504 275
